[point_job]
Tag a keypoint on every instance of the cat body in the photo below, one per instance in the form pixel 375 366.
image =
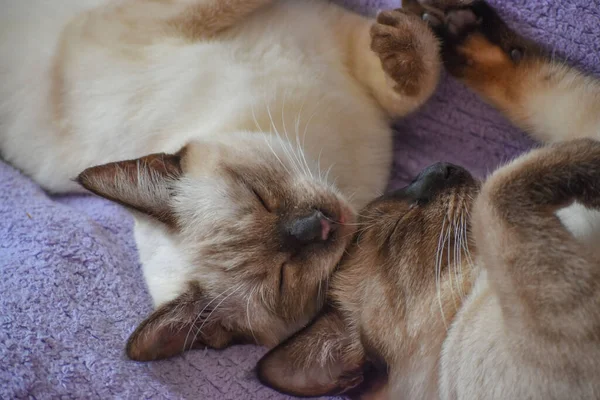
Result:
pixel 460 289
pixel 121 92
pixel 223 125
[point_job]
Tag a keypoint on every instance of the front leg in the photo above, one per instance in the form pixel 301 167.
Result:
pixel 396 57
pixel 547 281
pixel 539 92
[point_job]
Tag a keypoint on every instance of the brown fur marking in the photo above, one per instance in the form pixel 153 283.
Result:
pixel 399 50
pixel 479 48
pixel 140 184
pixel 314 373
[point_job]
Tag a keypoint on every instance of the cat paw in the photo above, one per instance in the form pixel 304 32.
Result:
pixel 404 44
pixel 473 35
pixel 551 177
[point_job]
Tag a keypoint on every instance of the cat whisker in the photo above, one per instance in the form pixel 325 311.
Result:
pixel 438 257
pixel 342 223
pixel 319 164
pixel 314 113
pixel 351 196
pixel 366 227
pixel 267 141
pixel 301 145
pixel 465 219
pixel 281 141
pixel 451 231
pixel 213 310
pixel 459 246
pixel 457 256
pixel 250 296
pixel 327 174
pixel 198 316
pixel 293 151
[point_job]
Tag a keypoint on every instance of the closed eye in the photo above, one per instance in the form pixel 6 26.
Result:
pixel 261 200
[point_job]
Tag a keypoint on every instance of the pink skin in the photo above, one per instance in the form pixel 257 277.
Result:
pixel 325 229
pixel 328 226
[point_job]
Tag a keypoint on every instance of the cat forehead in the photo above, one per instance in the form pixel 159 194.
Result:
pixel 218 177
pixel 257 155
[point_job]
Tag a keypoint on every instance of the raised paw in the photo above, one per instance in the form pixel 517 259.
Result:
pixel 550 177
pixel 406 48
pixel 475 39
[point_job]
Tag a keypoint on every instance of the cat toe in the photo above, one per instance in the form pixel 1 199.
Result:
pixel 461 21
pixel 398 39
pixel 432 20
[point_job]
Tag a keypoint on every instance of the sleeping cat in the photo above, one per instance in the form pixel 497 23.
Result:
pixel 242 134
pixel 460 289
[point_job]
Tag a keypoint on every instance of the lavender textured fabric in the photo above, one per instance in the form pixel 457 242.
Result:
pixel 71 288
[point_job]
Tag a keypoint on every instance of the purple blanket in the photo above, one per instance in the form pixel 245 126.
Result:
pixel 72 290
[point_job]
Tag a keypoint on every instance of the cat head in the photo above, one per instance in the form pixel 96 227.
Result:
pixel 397 287
pixel 237 239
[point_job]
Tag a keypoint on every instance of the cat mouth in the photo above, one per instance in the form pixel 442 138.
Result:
pixel 319 231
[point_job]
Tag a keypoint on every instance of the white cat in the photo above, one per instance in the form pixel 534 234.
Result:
pixel 236 117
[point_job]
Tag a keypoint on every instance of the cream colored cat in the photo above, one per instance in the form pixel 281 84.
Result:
pixel 460 289
pixel 252 128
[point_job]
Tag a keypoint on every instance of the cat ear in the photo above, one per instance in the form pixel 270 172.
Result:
pixel 143 184
pixel 178 326
pixel 320 360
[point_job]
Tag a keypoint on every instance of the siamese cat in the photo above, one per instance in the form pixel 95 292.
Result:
pixel 242 134
pixel 459 289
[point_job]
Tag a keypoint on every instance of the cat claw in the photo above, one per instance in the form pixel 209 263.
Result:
pixel 459 20
pixel 431 19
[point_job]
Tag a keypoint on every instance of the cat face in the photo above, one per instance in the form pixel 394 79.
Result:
pixel 249 237
pixel 401 273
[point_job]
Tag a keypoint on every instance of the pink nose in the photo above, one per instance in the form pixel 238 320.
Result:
pixel 325 229
pixel 312 228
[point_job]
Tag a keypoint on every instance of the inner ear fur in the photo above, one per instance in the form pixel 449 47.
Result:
pixel 143 184
pixel 323 359
pixel 177 326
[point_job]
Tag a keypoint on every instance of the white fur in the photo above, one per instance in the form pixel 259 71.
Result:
pixel 171 92
pixel 565 106
pixel 290 69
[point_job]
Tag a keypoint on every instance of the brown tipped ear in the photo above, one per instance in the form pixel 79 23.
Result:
pixel 143 184
pixel 178 326
pixel 322 359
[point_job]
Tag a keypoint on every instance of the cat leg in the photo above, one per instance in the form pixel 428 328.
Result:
pixel 396 57
pixel 536 90
pixel 547 281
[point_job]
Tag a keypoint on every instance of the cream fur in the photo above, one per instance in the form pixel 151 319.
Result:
pixel 87 82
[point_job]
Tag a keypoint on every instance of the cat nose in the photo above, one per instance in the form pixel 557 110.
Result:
pixel 312 228
pixel 433 180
